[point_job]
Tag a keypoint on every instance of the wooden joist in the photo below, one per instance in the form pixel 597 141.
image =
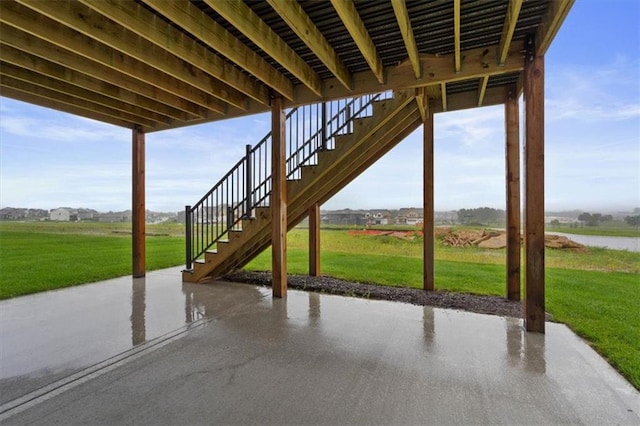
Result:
pixel 255 29
pixel 352 21
pixel 406 29
pixel 29 31
pixel 293 14
pixel 89 99
pixel 509 26
pixel 482 90
pixel 192 19
pixel 148 33
pixel 456 36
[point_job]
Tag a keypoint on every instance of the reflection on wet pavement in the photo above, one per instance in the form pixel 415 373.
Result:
pixel 48 336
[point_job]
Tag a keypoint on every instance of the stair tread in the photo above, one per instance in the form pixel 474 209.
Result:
pixel 246 246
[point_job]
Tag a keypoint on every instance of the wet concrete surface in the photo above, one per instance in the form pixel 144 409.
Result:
pixel 158 351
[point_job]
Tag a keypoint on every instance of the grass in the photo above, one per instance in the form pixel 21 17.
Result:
pixel 607 229
pixel 595 292
pixel 39 257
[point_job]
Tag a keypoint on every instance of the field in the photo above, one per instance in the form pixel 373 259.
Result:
pixel 40 256
pixel 595 291
pixel 610 229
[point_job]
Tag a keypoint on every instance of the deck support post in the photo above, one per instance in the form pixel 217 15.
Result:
pixel 278 199
pixel 428 204
pixel 314 240
pixel 512 154
pixel 138 202
pixel 534 306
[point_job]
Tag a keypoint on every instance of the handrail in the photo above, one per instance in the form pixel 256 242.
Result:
pixel 247 185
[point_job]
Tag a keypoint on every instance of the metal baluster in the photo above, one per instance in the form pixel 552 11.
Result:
pixel 249 185
pixel 187 225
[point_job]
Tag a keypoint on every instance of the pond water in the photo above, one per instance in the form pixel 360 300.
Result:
pixel 616 243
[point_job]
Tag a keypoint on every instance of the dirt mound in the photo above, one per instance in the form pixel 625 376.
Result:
pixel 559 242
pixel 493 239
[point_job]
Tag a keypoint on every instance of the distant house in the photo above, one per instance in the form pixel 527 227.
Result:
pixel 86 214
pixel 10 213
pixel 410 216
pixel 345 217
pixel 62 214
pixel 379 217
pixel 112 217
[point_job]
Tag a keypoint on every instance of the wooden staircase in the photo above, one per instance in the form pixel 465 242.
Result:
pixel 368 139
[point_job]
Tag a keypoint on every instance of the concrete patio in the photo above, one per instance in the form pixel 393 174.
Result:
pixel 157 351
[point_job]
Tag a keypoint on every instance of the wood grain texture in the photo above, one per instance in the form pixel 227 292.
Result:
pixel 512 178
pixel 314 240
pixel 534 306
pixel 278 200
pixel 428 249
pixel 138 203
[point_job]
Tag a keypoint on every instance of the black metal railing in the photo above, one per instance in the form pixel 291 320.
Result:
pixel 309 129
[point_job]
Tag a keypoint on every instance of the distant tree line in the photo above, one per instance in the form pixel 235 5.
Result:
pixel 481 216
pixel 633 220
pixel 594 219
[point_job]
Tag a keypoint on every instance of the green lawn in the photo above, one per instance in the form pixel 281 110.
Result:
pixel 32 260
pixel 609 229
pixel 595 291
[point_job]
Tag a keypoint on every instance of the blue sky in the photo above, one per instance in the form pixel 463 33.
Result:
pixel 50 159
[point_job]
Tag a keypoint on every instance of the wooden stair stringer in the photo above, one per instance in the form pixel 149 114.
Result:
pixel 345 144
pixel 295 215
pixel 372 137
pixel 321 192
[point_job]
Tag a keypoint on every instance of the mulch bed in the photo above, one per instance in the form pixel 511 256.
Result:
pixel 491 305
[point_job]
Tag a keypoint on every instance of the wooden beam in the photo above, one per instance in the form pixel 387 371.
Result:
pixel 509 26
pixel 138 203
pixel 534 306
pixel 422 99
pixel 456 35
pixel 76 16
pixel 278 200
pixel 68 99
pixel 192 19
pixel 352 21
pixel 428 248
pixel 437 69
pixel 468 100
pixel 228 84
pixel 127 111
pixel 238 14
pixel 512 157
pixel 153 110
pixel 443 95
pixel 406 29
pixel 557 11
pixel 65 46
pixel 314 240
pixel 31 98
pixel 482 89
pixel 292 13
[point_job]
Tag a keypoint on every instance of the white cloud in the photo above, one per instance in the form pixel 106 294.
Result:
pixel 602 92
